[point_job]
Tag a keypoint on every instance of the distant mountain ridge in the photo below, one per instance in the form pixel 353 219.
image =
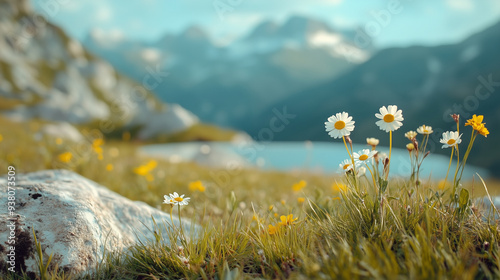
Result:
pixel 428 83
pixel 52 77
pixel 267 64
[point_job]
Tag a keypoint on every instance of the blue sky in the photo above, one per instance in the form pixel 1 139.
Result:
pixel 423 22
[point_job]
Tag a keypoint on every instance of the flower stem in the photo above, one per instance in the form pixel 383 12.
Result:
pixel 180 221
pixel 425 144
pixel 352 159
pixel 374 182
pixel 458 166
pixel 348 152
pixel 390 152
pixel 449 165
pixel 171 219
pixel 466 155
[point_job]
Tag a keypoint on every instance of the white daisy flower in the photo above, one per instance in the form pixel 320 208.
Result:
pixel 390 118
pixel 346 165
pixel 363 156
pixel 411 135
pixel 167 200
pixel 179 200
pixel 339 125
pixel 450 139
pixel 425 129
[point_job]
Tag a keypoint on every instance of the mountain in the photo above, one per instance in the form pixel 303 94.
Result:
pixel 428 83
pixel 218 82
pixel 46 74
pixel 300 32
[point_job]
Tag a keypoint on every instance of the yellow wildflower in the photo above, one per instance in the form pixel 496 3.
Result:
pixel 477 124
pixel 196 186
pixel 109 167
pixel 96 146
pixel 152 164
pixel 483 131
pixel 299 186
pixel 301 200
pixel 442 185
pixel 337 187
pixel 144 170
pixel 273 229
pixel 66 157
pixel 287 220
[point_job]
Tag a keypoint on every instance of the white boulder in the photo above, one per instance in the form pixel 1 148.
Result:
pixel 62 130
pixel 75 219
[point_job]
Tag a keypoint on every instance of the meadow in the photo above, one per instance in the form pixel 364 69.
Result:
pixel 357 224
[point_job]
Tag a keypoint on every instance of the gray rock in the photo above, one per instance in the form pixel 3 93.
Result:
pixel 75 219
pixel 52 77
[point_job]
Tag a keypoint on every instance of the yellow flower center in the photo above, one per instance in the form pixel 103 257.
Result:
pixel 388 118
pixel 346 166
pixel 339 125
pixel 178 199
pixel 451 142
pixel 363 157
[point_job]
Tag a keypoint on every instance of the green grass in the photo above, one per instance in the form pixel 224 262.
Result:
pixel 345 235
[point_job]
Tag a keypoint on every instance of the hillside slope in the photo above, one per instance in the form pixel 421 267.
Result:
pixel 45 74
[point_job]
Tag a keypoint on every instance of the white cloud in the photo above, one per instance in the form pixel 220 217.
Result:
pixel 461 5
pixel 104 13
pixel 333 2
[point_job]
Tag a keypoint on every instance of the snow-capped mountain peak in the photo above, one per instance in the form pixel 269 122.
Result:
pixel 298 32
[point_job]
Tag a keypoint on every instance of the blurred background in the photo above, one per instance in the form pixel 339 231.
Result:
pixel 252 71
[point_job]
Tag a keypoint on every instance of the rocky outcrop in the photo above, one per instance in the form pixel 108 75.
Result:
pixel 46 74
pixel 74 219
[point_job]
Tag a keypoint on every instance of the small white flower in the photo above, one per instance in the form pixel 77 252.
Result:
pixel 361 171
pixel 179 200
pixel 346 165
pixel 382 156
pixel 411 135
pixel 372 141
pixel 390 118
pixel 425 129
pixel 363 156
pixel 450 139
pixel 339 125
pixel 167 200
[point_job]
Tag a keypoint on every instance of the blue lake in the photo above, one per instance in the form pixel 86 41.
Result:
pixel 286 156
